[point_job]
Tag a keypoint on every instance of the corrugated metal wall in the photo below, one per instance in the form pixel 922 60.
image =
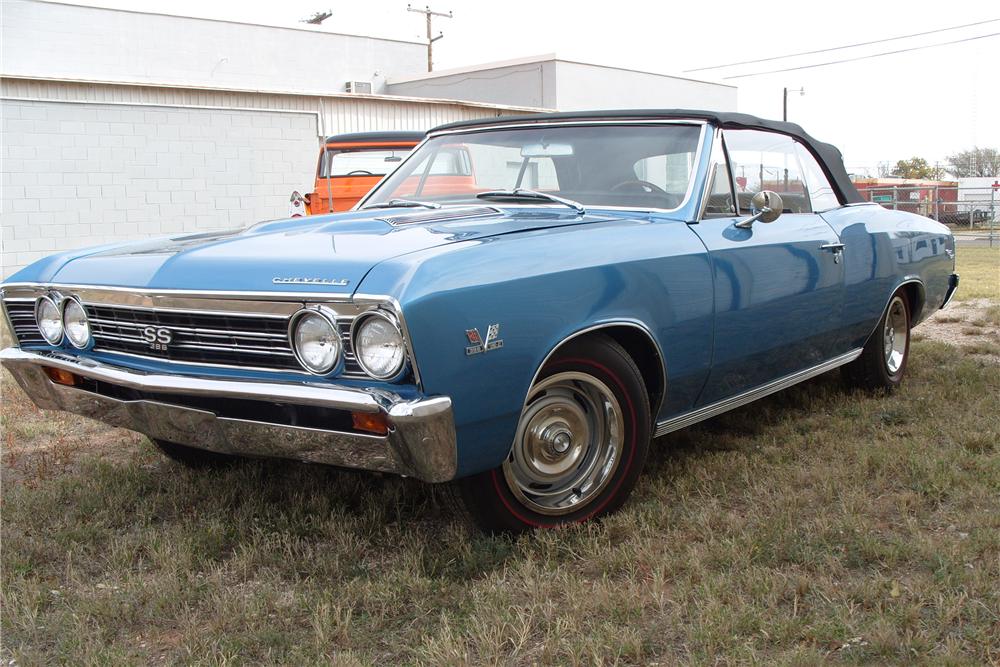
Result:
pixel 340 113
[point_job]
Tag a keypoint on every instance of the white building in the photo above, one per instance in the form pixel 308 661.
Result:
pixel 118 124
pixel 555 83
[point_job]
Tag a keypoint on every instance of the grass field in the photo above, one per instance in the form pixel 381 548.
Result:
pixel 815 525
pixel 980 273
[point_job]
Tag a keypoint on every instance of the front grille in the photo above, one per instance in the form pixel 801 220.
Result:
pixel 22 317
pixel 219 339
pixel 201 338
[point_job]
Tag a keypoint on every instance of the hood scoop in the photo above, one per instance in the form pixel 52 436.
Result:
pixel 441 215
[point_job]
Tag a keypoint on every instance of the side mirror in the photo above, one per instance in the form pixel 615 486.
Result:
pixel 768 206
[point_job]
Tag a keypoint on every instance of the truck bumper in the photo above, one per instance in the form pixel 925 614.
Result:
pixel 303 421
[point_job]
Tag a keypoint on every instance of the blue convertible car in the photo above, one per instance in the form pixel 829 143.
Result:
pixel 517 309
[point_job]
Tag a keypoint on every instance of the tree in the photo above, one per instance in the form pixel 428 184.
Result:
pixel 915 167
pixel 975 162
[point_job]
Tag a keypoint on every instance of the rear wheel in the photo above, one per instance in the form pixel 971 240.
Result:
pixel 883 361
pixel 193 457
pixel 579 447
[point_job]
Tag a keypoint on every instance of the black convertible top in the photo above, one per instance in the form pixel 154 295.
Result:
pixel 387 137
pixel 827 154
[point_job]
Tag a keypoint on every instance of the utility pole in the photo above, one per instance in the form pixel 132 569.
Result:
pixel 426 11
pixel 784 102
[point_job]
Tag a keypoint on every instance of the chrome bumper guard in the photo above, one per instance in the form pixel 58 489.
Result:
pixel 420 442
pixel 952 288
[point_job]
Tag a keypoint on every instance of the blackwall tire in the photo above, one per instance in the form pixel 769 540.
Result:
pixel 883 360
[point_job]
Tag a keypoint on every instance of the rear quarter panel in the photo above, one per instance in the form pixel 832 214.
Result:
pixel 541 287
pixel 884 249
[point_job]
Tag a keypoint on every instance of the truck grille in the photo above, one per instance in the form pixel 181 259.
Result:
pixel 219 339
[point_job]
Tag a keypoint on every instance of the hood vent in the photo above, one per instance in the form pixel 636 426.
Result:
pixel 441 215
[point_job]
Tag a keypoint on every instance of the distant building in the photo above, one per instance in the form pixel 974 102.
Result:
pixel 555 83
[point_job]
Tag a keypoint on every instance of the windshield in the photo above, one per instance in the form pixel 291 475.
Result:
pixel 633 166
pixel 360 161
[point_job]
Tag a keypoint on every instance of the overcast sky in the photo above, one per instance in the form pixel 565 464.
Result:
pixel 928 103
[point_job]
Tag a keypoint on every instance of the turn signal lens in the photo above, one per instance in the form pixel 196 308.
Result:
pixel 60 376
pixel 372 422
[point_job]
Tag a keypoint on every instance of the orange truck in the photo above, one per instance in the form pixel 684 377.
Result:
pixel 351 164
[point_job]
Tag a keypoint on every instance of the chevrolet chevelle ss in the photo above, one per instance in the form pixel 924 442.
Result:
pixel 518 309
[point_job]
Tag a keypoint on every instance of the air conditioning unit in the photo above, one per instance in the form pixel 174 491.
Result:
pixel 363 87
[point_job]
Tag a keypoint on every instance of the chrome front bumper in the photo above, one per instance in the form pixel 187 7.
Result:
pixel 421 433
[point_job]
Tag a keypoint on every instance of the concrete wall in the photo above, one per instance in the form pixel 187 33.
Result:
pixel 580 86
pixel 53 40
pixel 75 175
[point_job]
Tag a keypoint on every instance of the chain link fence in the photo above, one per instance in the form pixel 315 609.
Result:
pixel 973 209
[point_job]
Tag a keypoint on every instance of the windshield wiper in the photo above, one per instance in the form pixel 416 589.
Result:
pixel 402 203
pixel 521 193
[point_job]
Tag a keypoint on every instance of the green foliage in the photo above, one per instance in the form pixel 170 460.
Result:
pixel 916 167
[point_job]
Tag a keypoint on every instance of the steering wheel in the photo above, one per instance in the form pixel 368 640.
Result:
pixel 360 172
pixel 643 186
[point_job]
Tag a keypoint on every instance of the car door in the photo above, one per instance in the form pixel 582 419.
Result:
pixel 778 286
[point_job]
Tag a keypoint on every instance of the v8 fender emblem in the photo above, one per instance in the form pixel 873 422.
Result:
pixel 478 345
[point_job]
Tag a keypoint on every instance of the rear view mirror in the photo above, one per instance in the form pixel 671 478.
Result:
pixel 546 150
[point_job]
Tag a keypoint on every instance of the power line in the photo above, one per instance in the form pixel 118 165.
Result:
pixel 839 48
pixel 873 55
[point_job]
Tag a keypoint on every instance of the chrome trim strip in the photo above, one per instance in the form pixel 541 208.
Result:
pixel 421 441
pixel 636 324
pixel 727 404
pixel 193 330
pixel 500 125
pixel 913 320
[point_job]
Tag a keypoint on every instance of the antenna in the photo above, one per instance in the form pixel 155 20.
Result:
pixel 428 13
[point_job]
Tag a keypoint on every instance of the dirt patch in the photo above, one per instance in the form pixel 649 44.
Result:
pixel 973 325
pixel 36 444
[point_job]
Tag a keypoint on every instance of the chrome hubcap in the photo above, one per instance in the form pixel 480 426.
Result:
pixel 568 444
pixel 895 335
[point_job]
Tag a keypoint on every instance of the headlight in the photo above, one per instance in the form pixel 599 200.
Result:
pixel 315 341
pixel 378 345
pixel 75 323
pixel 49 320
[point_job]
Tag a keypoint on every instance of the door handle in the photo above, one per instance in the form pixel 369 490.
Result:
pixel 836 248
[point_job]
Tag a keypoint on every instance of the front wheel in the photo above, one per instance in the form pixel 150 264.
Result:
pixel 883 360
pixel 580 444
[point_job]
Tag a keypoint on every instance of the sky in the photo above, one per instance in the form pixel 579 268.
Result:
pixel 928 103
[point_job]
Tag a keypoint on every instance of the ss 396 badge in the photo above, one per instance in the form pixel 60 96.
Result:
pixel 477 344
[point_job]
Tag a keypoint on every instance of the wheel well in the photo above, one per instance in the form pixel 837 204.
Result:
pixel 644 352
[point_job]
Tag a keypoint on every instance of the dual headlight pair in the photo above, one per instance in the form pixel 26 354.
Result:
pixel 68 318
pixel 377 339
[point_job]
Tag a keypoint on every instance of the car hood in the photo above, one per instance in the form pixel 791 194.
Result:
pixel 317 254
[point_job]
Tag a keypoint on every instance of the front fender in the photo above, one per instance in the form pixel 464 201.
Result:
pixel 540 288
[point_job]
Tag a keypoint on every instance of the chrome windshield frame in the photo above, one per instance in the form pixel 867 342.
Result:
pixel 500 125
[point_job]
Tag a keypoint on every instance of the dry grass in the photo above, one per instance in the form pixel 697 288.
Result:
pixel 980 271
pixel 816 525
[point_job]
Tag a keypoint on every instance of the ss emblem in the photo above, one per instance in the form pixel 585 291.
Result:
pixel 158 338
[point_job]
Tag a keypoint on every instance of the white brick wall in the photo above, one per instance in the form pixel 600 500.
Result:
pixel 75 175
